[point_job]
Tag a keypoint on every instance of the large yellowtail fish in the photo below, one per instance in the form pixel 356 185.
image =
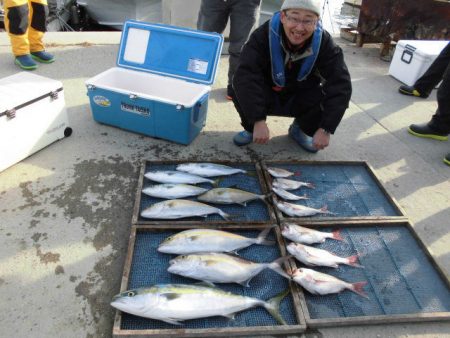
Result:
pixel 210 240
pixel 173 209
pixel 173 176
pixel 299 234
pixel 208 169
pixel 229 196
pixel 319 283
pixel 173 191
pixel 221 268
pixel 174 303
pixel 319 257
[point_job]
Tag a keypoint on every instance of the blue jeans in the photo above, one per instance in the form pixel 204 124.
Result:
pixel 243 14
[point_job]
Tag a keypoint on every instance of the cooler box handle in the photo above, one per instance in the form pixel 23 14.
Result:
pixel 198 105
pixel 407 54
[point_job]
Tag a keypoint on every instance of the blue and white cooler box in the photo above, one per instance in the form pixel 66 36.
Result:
pixel 413 57
pixel 161 84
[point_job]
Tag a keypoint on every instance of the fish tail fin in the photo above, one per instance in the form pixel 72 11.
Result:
pixel 224 215
pixel 353 261
pixel 337 235
pixel 215 183
pixel 261 239
pixel 358 289
pixel 276 266
pixel 273 306
pixel 311 185
pixel 297 173
pixel 266 198
pixel 252 173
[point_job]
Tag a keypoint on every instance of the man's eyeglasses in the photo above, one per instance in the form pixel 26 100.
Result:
pixel 308 23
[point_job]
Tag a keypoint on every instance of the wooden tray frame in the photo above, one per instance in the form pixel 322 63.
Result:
pixel 254 331
pixel 180 223
pixel 281 218
pixel 379 319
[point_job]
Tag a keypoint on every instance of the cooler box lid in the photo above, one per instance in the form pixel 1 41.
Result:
pixel 424 48
pixel 170 51
pixel 22 88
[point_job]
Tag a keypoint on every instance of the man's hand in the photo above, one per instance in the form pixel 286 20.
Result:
pixel 321 139
pixel 261 133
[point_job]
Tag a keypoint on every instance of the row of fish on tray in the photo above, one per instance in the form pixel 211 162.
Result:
pixel 204 255
pixel 178 184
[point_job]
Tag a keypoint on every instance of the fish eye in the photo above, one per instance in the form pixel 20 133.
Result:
pixel 130 293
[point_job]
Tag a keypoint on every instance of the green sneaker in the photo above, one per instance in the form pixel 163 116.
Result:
pixel 43 57
pixel 25 62
pixel 447 159
pixel 424 130
pixel 409 90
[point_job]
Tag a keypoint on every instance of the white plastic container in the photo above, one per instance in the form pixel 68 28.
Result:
pixel 32 116
pixel 413 57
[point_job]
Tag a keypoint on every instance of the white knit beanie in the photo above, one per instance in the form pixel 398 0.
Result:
pixel 310 5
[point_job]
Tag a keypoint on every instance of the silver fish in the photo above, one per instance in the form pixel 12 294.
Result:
pixel 208 169
pixel 210 240
pixel 221 268
pixel 172 191
pixel 280 172
pixel 304 235
pixel 286 195
pixel 173 209
pixel 297 210
pixel 318 257
pixel 286 184
pixel 229 196
pixel 173 176
pixel 319 283
pixel 173 303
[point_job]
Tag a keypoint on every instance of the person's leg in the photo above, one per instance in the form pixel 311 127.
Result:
pixel 37 29
pixel 213 16
pixel 434 73
pixel 16 24
pixel 429 80
pixel 304 126
pixel 244 16
pixel 438 127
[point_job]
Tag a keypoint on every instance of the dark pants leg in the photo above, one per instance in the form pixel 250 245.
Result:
pixel 308 119
pixel 243 18
pixel 213 17
pixel 441 119
pixel 433 75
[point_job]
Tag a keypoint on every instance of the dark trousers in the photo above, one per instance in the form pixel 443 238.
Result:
pixel 441 119
pixel 307 117
pixel 243 14
pixel 433 75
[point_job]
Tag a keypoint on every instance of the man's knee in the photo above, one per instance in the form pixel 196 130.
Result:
pixel 18 19
pixel 40 12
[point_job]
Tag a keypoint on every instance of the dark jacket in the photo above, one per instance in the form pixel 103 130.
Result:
pixel 327 88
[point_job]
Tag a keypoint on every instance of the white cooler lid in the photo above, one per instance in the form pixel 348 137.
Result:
pixel 23 87
pixel 425 47
pixel 176 52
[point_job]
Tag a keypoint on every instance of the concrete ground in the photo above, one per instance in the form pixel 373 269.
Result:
pixel 65 212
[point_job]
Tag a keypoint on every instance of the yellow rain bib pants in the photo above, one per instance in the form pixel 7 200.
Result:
pixel 25 22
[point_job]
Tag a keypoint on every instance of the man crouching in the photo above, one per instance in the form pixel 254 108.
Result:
pixel 291 67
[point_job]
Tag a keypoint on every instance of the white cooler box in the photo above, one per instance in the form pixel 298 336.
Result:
pixel 162 83
pixel 413 57
pixel 32 115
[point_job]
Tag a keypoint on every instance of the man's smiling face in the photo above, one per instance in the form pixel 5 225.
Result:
pixel 298 25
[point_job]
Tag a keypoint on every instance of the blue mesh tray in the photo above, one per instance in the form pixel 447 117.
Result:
pixel 256 212
pixel 348 189
pixel 146 266
pixel 404 282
